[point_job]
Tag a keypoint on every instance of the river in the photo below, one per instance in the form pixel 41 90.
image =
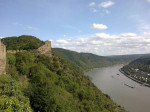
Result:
pixel 132 99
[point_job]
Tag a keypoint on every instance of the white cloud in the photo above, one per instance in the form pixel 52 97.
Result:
pixel 146 33
pixel 30 27
pixel 99 26
pixel 106 4
pixel 80 31
pixel 148 0
pixel 103 4
pixel 128 35
pixel 145 27
pixel 142 24
pixel 105 44
pixel 64 35
pixel 25 26
pixel 107 11
pixel 92 4
pixel 102 35
pixel 94 10
pixel 62 41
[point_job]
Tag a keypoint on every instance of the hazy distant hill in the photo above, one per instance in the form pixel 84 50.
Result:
pixel 86 60
pixel 23 42
pixel 142 64
pixel 128 58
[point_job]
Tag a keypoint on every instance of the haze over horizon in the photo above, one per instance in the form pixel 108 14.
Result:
pixel 102 27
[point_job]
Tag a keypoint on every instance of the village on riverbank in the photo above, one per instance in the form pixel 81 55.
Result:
pixel 139 76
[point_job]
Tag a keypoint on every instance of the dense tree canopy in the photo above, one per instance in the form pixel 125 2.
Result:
pixel 11 96
pixel 24 42
pixel 49 84
pixel 40 83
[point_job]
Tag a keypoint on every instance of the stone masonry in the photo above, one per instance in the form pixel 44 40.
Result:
pixel 45 49
pixel 2 58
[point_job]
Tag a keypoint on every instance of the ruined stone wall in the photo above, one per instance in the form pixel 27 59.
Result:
pixel 14 51
pixel 2 58
pixel 45 49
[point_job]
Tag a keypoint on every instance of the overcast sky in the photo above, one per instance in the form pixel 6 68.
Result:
pixel 103 27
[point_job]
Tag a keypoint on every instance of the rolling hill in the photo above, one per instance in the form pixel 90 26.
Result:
pixel 86 61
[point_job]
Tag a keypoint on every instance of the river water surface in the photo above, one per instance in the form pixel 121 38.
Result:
pixel 132 99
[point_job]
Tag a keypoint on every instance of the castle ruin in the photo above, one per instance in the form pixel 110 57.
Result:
pixel 2 58
pixel 45 49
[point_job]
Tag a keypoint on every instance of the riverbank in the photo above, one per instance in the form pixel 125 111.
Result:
pixel 127 75
pixel 88 70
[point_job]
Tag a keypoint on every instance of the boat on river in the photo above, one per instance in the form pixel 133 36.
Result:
pixel 128 85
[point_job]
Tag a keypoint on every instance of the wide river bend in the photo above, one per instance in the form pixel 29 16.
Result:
pixel 132 99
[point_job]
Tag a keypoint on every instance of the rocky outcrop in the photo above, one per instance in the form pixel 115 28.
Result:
pixel 2 58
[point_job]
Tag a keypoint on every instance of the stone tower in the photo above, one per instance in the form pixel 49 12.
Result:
pixel 2 58
pixel 45 49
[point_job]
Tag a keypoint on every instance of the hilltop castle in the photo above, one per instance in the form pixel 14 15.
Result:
pixel 45 49
pixel 2 58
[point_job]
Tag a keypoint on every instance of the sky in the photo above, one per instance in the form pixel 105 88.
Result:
pixel 102 27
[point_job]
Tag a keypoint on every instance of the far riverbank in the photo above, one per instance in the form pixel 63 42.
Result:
pixel 128 75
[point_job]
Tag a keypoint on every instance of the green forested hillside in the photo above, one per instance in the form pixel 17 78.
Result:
pixel 86 60
pixel 49 84
pixel 23 42
pixel 142 64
